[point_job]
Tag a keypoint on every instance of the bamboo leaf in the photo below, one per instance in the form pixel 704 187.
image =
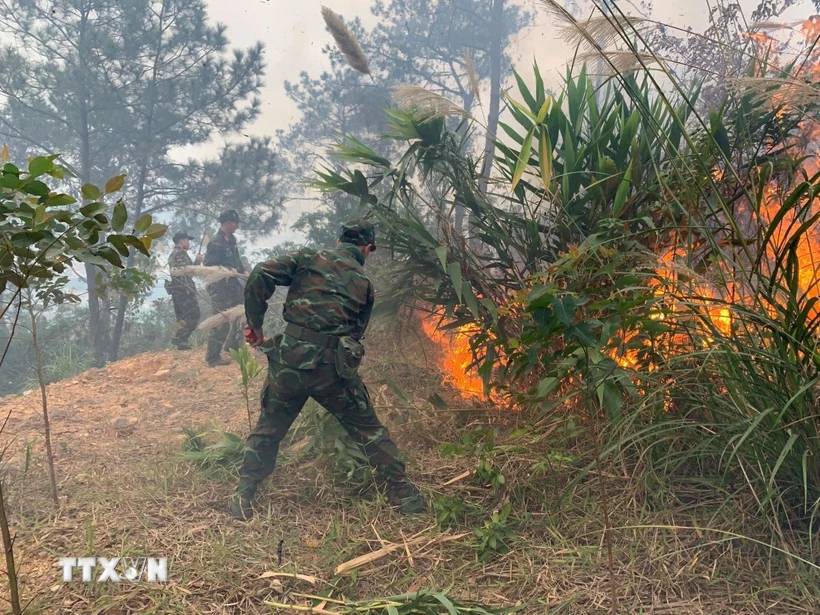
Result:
pixel 523 159
pixel 454 271
pixel 441 252
pixel 545 157
pixel 623 190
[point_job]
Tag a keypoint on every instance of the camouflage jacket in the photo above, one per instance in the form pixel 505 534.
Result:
pixel 329 293
pixel 179 258
pixel 222 252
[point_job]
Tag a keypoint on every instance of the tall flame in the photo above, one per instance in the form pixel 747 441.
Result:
pixel 455 357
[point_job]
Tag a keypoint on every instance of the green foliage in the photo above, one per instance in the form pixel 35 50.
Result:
pixel 422 602
pixel 327 442
pixel 496 536
pixel 42 236
pixel 250 370
pixel 222 452
pixel 451 511
pixel 249 367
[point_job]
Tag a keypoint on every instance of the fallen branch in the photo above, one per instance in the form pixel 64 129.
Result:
pixel 291 575
pixel 362 560
pixel 461 476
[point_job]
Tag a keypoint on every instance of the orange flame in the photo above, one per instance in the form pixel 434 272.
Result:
pixel 455 357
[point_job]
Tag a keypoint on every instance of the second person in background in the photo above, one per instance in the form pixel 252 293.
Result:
pixel 228 292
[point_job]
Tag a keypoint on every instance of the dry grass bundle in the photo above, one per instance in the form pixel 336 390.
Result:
pixel 236 313
pixel 209 274
pixel 595 32
pixel 425 104
pixel 345 41
pixel 780 91
pixel 472 75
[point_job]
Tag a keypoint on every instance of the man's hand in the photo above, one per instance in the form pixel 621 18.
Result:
pixel 198 259
pixel 254 337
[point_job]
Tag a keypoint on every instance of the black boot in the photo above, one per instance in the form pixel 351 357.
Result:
pixel 242 501
pixel 407 497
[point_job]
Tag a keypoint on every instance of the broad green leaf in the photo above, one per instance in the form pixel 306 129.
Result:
pixel 155 231
pixel 546 386
pixel 93 209
pixel 119 217
pixel 41 165
pixel 564 309
pixel 523 159
pixel 143 223
pixel 37 188
pixel 114 184
pixel 540 296
pixel 56 200
pixel 90 192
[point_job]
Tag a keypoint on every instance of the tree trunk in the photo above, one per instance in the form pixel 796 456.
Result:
pixel 495 94
pixel 96 322
pixel 146 146
pixel 38 357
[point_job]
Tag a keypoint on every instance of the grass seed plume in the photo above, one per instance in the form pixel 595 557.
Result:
pixel 425 104
pixel 345 41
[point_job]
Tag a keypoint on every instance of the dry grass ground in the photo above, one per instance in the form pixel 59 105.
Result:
pixel 127 492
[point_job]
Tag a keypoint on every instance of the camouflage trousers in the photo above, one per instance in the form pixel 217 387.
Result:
pixel 223 297
pixel 285 393
pixel 186 311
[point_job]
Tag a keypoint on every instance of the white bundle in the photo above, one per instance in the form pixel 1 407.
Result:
pixel 208 274
pixel 236 313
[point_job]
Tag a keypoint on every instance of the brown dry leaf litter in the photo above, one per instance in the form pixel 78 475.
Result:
pixel 117 432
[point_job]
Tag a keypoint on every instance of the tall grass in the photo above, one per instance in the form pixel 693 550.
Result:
pixel 631 222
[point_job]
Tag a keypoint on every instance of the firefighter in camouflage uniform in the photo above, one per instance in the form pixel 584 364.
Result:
pixel 327 309
pixel 183 292
pixel 226 293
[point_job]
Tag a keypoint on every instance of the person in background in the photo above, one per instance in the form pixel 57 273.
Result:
pixel 183 291
pixel 228 292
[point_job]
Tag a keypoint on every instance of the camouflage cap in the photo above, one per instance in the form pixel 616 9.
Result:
pixel 180 236
pixel 229 215
pixel 359 232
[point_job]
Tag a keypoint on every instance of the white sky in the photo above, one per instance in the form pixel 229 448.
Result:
pixel 293 33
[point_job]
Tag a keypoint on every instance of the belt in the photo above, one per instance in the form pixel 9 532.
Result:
pixel 306 335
